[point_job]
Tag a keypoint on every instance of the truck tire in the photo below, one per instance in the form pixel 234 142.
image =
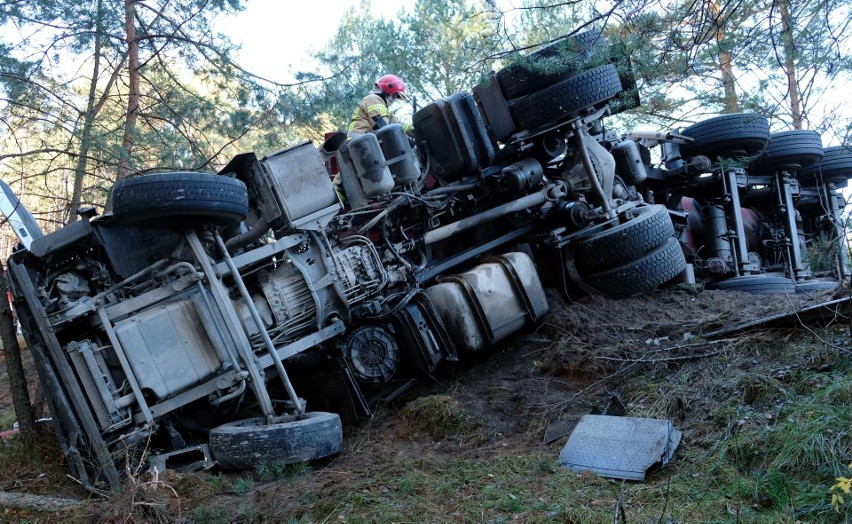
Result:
pixel 659 265
pixel 816 285
pixel 159 198
pixel 835 167
pixel 566 98
pixel 790 150
pixel 643 229
pixel 756 284
pixel 730 136
pixel 242 444
pixel 555 62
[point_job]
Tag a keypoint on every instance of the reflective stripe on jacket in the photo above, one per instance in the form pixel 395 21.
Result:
pixel 370 106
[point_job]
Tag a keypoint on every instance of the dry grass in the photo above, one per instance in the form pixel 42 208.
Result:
pixel 441 417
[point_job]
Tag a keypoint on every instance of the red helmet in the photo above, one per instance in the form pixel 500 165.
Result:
pixel 392 86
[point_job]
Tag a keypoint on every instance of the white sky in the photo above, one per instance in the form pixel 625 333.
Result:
pixel 276 35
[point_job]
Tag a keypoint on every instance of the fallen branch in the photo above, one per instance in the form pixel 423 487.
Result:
pixel 671 359
pixel 95 491
pixel 37 502
pixel 619 507
pixel 665 359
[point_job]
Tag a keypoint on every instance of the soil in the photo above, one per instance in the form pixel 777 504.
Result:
pixel 538 384
pixel 526 395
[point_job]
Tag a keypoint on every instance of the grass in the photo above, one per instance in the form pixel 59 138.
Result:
pixel 821 252
pixel 243 485
pixel 767 429
pixel 468 490
pixel 775 432
pixel 269 471
pixel 794 461
pixel 7 420
pixel 441 417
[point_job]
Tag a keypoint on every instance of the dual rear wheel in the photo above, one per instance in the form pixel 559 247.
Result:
pixel 636 254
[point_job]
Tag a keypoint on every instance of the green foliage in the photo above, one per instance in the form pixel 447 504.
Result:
pixel 840 491
pixel 243 485
pixel 281 470
pixel 205 515
pixel 351 62
pixel 821 252
pixel 540 23
pixel 451 40
pixel 249 512
pixel 454 42
pixel 63 98
pixel 789 460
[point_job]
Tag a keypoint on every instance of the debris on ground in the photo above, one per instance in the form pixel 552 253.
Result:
pixel 619 447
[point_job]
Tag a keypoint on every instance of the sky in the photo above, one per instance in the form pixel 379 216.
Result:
pixel 276 35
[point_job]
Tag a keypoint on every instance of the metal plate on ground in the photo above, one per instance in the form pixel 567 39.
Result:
pixel 619 447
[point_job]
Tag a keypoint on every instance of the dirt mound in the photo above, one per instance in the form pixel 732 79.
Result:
pixel 571 365
pixel 515 406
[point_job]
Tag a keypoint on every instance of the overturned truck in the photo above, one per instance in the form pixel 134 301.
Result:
pixel 236 318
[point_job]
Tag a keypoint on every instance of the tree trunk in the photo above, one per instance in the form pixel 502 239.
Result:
pixel 730 100
pixel 37 502
pixel 15 367
pixel 133 94
pixel 88 121
pixel 790 63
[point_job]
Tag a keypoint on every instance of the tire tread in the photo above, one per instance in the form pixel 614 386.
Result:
pixel 566 98
pixel 160 196
pixel 714 136
pixel 647 229
pixel 551 64
pixel 245 443
pixel 643 274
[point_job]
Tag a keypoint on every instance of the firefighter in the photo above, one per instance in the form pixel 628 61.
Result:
pixel 373 111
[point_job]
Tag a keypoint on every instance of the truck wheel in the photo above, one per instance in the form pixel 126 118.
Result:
pixel 835 167
pixel 816 285
pixel 659 265
pixel 790 150
pixel 551 64
pixel 244 443
pixel 566 98
pixel 159 198
pixel 731 136
pixel 641 229
pixel 757 284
